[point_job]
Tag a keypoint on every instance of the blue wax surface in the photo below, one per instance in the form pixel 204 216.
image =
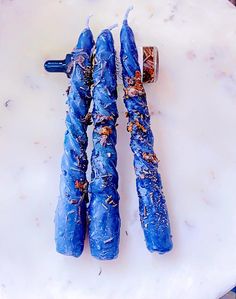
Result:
pixel 70 217
pixel 103 209
pixel 152 206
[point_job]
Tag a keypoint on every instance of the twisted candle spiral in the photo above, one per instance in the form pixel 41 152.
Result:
pixel 152 206
pixel 103 209
pixel 70 218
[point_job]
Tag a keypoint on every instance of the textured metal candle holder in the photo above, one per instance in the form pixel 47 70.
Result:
pixel 149 63
pixel 148 60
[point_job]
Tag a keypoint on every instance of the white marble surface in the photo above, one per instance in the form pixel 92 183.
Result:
pixel 193 109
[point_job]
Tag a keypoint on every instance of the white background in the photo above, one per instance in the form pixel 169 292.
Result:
pixel 193 109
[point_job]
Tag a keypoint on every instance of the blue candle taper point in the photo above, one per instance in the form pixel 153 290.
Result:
pixel 66 65
pixel 152 205
pixel 70 217
pixel 103 209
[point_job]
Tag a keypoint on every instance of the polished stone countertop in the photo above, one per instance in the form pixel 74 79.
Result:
pixel 193 110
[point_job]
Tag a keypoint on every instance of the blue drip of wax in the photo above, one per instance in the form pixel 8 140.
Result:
pixel 70 216
pixel 103 209
pixel 152 205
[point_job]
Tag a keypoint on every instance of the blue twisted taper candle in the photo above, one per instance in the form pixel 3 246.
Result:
pixel 103 209
pixel 152 206
pixel 70 218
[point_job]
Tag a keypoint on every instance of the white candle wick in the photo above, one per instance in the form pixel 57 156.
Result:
pixel 112 26
pixel 87 21
pixel 127 12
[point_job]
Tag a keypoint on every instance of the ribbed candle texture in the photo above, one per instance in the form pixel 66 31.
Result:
pixel 103 209
pixel 152 205
pixel 70 218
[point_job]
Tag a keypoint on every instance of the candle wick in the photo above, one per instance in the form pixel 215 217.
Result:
pixel 87 21
pixel 127 12
pixel 112 26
